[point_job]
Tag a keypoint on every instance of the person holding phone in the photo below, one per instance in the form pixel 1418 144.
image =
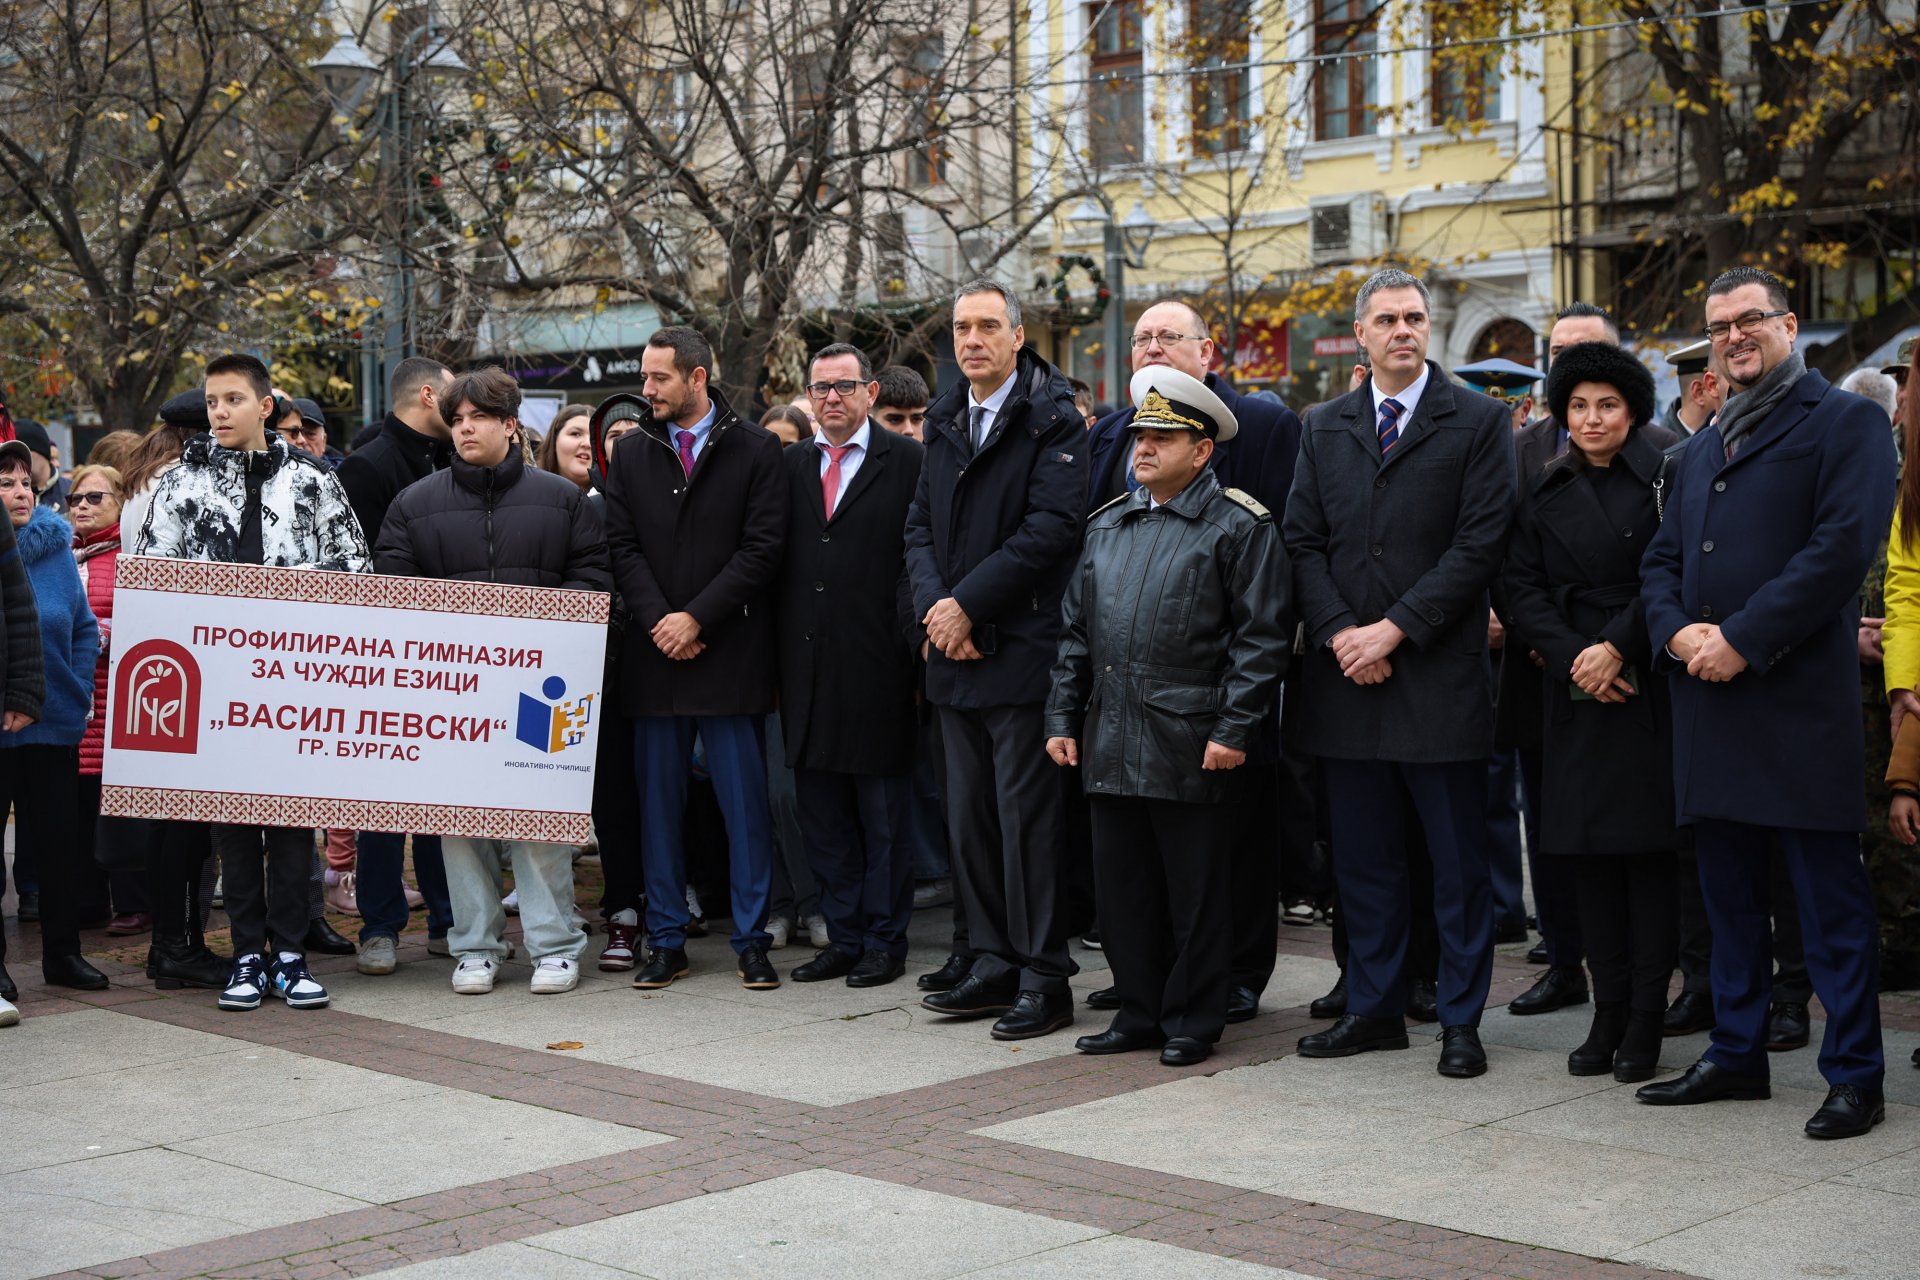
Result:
pixel 1573 588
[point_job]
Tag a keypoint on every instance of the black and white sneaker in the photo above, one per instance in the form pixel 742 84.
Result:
pixel 247 985
pixel 289 980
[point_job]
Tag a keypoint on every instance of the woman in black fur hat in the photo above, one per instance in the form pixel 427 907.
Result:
pixel 1573 585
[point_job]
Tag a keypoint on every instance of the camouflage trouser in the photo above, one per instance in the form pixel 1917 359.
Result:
pixel 1892 868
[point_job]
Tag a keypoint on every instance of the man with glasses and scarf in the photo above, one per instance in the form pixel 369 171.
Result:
pixel 1752 596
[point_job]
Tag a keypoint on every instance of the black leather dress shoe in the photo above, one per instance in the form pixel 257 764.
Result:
pixel 1690 1011
pixel 1787 1027
pixel 9 991
pixel 876 969
pixel 1242 1004
pixel 1423 1001
pixel 756 971
pixel 1185 1051
pixel 72 971
pixel 947 976
pixel 1035 1013
pixel 324 939
pixel 1104 998
pixel 831 963
pixel 1704 1082
pixel 661 968
pixel 1848 1112
pixel 972 997
pixel 1461 1054
pixel 1512 932
pixel 1333 1004
pixel 1354 1034
pixel 174 963
pixel 1537 953
pixel 1111 1041
pixel 1558 988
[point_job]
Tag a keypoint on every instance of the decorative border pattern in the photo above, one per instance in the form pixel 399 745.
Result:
pixel 250 808
pixel 367 590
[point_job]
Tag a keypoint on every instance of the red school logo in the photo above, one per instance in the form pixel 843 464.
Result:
pixel 156 699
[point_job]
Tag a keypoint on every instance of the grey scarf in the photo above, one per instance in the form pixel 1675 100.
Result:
pixel 1750 408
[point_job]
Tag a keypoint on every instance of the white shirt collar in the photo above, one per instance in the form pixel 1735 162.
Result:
pixel 1408 399
pixel 993 402
pixel 858 440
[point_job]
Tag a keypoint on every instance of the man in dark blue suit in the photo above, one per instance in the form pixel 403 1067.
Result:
pixel 1258 460
pixel 1752 592
pixel 1396 526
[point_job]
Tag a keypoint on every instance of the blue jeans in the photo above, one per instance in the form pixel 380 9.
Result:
pixel 737 760
pixel 382 893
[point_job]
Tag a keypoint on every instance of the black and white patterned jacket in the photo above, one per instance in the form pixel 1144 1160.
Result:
pixel 305 522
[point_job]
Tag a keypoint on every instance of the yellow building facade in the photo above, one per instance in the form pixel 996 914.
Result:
pixel 1282 150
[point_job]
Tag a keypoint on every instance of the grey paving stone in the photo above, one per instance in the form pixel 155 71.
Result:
pixel 830 1062
pixel 221 1093
pixel 96 1041
pixel 1244 1134
pixel 33 1140
pixel 1899 1174
pixel 393 1150
pixel 615 1023
pixel 1763 1135
pixel 1124 1258
pixel 1573 1196
pixel 1822 1230
pixel 74 1215
pixel 818 1223
pixel 515 1260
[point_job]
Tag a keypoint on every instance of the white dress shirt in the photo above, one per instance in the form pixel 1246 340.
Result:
pixel 849 461
pixel 1408 399
pixel 992 404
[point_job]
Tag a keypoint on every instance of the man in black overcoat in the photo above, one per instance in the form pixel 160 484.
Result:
pixel 1396 526
pixel 991 538
pixel 847 674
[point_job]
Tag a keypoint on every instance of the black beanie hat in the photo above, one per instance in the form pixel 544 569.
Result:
pixel 1600 362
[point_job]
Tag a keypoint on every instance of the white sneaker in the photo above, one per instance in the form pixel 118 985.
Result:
pixel 781 930
pixel 378 955
pixel 554 974
pixel 473 976
pixel 290 981
pixel 817 931
pixel 512 903
pixel 9 1016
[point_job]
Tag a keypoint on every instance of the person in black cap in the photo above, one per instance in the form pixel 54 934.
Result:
pixel 1180 605
pixel 305 429
pixel 48 483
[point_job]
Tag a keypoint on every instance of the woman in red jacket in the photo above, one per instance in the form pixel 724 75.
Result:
pixel 117 876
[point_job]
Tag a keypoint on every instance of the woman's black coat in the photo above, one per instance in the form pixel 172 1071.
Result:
pixel 845 616
pixel 1572 579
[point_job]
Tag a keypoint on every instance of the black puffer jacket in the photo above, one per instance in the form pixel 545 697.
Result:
pixel 508 523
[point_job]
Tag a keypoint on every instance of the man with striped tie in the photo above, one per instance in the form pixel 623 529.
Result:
pixel 1396 526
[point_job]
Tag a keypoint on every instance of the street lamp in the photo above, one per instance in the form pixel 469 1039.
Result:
pixel 348 74
pixel 1125 244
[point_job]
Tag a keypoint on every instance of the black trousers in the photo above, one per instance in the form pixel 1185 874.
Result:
pixel 1009 849
pixel 113 864
pixel 176 854
pixel 1629 922
pixel 1791 982
pixel 934 744
pixel 260 902
pixel 1555 909
pixel 858 831
pixel 40 783
pixel 1254 904
pixel 1164 872
pixel 1423 935
pixel 616 815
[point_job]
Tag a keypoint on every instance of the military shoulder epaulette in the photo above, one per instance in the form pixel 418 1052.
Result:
pixel 1246 500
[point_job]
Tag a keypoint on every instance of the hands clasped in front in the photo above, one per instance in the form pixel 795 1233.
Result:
pixel 1706 652
pixel 1363 651
pixel 1597 672
pixel 950 630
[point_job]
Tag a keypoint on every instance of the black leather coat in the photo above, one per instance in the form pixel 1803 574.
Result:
pixel 1175 633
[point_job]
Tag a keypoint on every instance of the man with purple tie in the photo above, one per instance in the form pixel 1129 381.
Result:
pixel 696 510
pixel 1396 527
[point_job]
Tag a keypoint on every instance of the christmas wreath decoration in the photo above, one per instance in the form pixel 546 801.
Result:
pixel 1064 266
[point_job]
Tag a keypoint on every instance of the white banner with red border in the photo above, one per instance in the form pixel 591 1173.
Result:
pixel 295 698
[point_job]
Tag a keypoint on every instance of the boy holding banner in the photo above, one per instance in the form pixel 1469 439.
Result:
pixel 241 496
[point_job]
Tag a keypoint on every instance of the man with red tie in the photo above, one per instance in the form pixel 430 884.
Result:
pixel 847 676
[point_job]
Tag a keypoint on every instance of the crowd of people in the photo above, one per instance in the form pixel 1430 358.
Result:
pixel 1157 679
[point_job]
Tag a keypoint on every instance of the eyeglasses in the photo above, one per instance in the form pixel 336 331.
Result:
pixel 843 388
pixel 302 431
pixel 1141 341
pixel 87 499
pixel 1746 322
